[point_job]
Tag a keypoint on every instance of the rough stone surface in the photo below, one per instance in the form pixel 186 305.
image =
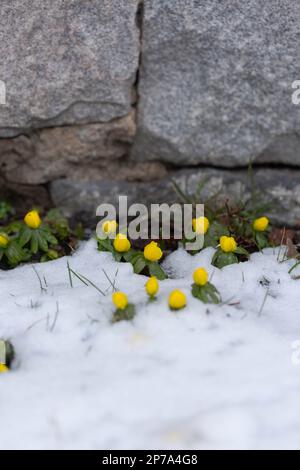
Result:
pixel 66 62
pixel 44 155
pixel 216 82
pixel 281 188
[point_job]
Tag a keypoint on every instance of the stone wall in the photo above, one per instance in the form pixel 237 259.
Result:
pixel 116 94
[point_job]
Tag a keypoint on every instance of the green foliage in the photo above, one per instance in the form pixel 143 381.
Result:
pixel 107 245
pixel 13 254
pixel 47 242
pixel 127 313
pixel 6 210
pixel 136 258
pixel 231 218
pixel 140 263
pixel 221 259
pixel 37 239
pixel 58 224
pixel 207 293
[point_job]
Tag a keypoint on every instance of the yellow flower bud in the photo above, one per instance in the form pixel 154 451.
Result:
pixel 4 240
pixel 110 226
pixel 121 243
pixel 228 244
pixel 3 368
pixel 152 252
pixel 261 224
pixel 32 219
pixel 152 286
pixel 200 277
pixel 200 225
pixel 120 300
pixel 177 300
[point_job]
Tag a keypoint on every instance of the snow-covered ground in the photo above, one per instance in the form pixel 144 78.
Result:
pixel 205 377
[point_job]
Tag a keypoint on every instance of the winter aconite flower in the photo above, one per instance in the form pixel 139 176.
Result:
pixel 3 368
pixel 121 243
pixel 200 277
pixel 152 252
pixel 110 226
pixel 152 286
pixel 228 244
pixel 120 300
pixel 202 289
pixel 32 220
pixel 261 224
pixel 177 300
pixel 200 225
pixel 4 240
pixel 147 261
pixel 124 310
pixel 228 252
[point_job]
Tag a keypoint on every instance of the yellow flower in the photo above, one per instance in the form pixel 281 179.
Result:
pixel 3 368
pixel 152 286
pixel 177 300
pixel 120 300
pixel 261 224
pixel 121 243
pixel 4 240
pixel 200 277
pixel 32 219
pixel 152 252
pixel 200 225
pixel 228 244
pixel 110 226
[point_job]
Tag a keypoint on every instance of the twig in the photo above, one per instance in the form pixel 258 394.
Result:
pixel 109 280
pixel 70 275
pixel 43 289
pixel 263 304
pixel 86 281
pixel 55 317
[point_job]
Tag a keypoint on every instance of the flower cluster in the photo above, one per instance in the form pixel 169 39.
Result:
pixel 227 252
pixel 33 238
pixel 119 246
pixel 202 289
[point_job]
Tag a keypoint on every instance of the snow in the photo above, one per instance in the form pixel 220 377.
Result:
pixel 206 377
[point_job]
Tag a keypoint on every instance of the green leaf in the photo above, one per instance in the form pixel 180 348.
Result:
pixel 117 256
pixel 34 244
pixel 199 293
pixel 157 271
pixel 42 241
pixel 241 251
pixel 132 255
pixel 25 236
pixel 15 254
pixel 222 259
pixel 207 294
pixel 139 264
pixel 215 257
pixel 213 293
pixel 261 240
pixel 47 236
pixel 127 314
pixel 105 245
